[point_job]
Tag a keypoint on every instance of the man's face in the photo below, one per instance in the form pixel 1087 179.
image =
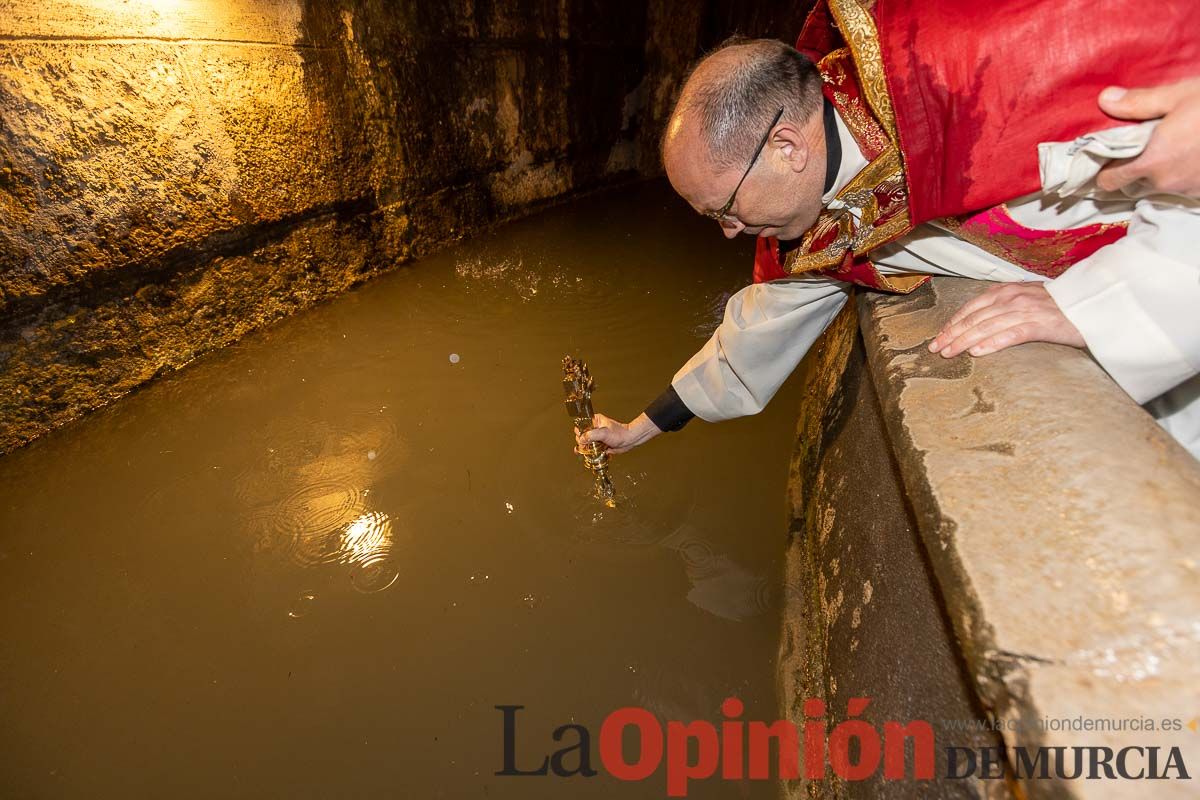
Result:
pixel 778 197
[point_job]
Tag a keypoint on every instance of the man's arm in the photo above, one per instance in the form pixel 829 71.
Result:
pixel 1135 301
pixel 1171 161
pixel 766 331
pixel 1133 304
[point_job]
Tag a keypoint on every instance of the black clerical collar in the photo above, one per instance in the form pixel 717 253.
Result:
pixel 833 146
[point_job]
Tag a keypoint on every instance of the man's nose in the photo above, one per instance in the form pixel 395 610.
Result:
pixel 731 228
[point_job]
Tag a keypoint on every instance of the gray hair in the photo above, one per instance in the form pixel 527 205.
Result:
pixel 735 107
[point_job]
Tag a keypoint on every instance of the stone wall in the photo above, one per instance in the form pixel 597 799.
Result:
pixel 863 616
pixel 1006 540
pixel 175 173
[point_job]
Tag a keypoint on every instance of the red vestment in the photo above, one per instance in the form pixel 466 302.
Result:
pixel 965 91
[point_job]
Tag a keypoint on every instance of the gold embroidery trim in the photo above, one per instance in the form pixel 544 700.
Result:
pixel 858 29
pixel 857 117
pixel 858 233
pixel 900 284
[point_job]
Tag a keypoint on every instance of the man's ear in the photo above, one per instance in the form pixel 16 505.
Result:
pixel 792 146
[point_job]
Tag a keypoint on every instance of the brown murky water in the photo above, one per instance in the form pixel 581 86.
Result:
pixel 312 564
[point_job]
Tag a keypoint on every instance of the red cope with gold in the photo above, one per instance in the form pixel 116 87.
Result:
pixel 949 99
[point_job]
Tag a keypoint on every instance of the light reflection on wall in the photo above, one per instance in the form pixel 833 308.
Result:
pixel 137 125
pixel 234 21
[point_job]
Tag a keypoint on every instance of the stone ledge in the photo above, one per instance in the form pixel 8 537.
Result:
pixel 1062 527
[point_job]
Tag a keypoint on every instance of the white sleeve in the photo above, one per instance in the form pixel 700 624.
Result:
pixel 767 329
pixel 1137 301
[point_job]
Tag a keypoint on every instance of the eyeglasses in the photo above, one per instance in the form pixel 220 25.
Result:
pixel 720 215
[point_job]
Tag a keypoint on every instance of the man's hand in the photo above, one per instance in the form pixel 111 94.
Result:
pixel 1003 316
pixel 619 437
pixel 1171 160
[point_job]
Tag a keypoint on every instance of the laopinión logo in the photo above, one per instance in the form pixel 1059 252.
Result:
pixel 738 749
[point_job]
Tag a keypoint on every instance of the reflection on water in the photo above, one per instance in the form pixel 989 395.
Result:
pixel 367 544
pixel 720 585
pixel 313 563
pixel 307 499
pixel 513 274
pixel 303 604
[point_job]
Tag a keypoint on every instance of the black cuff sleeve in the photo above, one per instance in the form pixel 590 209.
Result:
pixel 669 412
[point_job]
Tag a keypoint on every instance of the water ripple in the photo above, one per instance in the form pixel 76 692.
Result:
pixel 366 544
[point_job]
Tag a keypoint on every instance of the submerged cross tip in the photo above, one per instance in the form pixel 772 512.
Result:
pixel 578 386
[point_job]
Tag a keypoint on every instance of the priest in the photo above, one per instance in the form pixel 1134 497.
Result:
pixel 927 138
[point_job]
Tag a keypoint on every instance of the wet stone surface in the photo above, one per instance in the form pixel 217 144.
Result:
pixel 1061 524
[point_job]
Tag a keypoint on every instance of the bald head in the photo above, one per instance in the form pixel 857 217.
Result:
pixel 731 95
pixel 724 110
